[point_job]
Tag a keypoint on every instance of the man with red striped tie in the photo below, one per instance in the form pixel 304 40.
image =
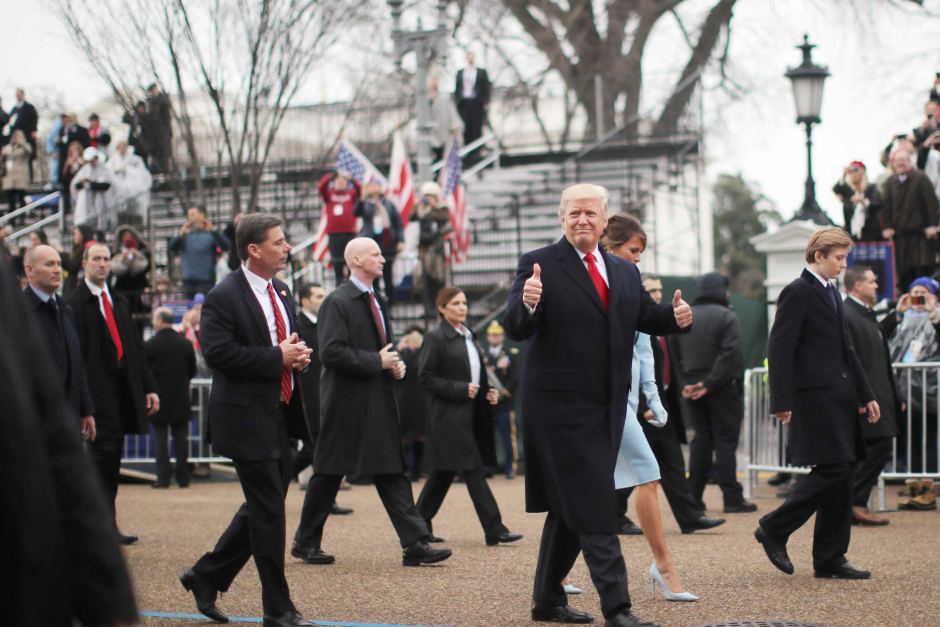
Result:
pixel 249 339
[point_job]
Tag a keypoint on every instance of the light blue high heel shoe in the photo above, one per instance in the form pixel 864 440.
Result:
pixel 669 594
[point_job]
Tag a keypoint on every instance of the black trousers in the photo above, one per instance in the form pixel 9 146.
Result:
pixel 180 433
pixel 394 490
pixel 336 242
pixel 675 486
pixel 257 530
pixel 473 113
pixel 716 418
pixel 436 487
pixel 106 454
pixel 866 473
pixel 827 492
pixel 559 549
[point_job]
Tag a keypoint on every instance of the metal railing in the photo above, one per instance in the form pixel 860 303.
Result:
pixel 141 448
pixel 57 217
pixel 766 438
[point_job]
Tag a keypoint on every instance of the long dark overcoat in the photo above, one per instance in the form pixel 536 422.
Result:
pixel 106 376
pixel 444 372
pixel 172 360
pixel 310 378
pixel 815 373
pixel 245 400
pixel 575 380
pixel 359 426
pixel 875 356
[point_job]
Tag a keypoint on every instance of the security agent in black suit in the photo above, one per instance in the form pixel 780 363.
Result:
pixel 59 551
pixel 249 339
pixel 472 92
pixel 119 379
pixel 875 356
pixel 360 431
pixel 665 441
pixel 817 386
pixel 56 323
pixel 172 360
pixel 579 307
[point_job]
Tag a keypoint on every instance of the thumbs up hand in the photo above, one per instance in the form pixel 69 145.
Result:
pixel 681 310
pixel 532 291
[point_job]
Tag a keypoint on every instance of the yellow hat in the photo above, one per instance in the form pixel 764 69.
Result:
pixel 495 328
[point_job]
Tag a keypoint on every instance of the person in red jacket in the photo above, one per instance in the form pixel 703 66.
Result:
pixel 339 193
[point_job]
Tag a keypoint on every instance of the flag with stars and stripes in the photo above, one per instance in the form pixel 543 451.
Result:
pixel 401 187
pixel 455 196
pixel 349 159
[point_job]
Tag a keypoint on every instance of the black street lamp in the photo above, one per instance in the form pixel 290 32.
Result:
pixel 807 80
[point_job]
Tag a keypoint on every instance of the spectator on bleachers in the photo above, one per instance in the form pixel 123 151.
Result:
pixel 91 191
pixel 72 131
pixel 137 135
pixel 935 90
pixel 130 265
pixel 446 122
pixel 52 151
pixel 196 245
pixel 69 167
pixel 861 203
pixel 339 194
pixel 160 129
pixel 910 219
pixel 4 116
pixel 132 182
pixel 472 93
pixel 17 155
pixel 23 117
pixel 381 222
pixel 434 225
pixel 98 135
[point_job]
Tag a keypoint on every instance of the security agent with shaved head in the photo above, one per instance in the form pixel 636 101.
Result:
pixel 119 379
pixel 249 339
pixel 818 388
pixel 579 307
pixel 56 322
pixel 360 431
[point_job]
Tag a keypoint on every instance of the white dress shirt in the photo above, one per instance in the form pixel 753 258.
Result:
pixel 469 81
pixel 311 317
pixel 94 289
pixel 819 278
pixel 259 287
pixel 472 354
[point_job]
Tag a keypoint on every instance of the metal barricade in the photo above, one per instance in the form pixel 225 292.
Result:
pixel 915 457
pixel 140 448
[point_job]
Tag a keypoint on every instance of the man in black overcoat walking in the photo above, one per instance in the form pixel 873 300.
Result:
pixel 249 339
pixel 172 360
pixel 120 381
pixel 875 356
pixel 360 433
pixel 579 308
pixel 817 386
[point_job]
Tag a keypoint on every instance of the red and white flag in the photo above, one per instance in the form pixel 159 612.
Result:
pixel 320 249
pixel 456 198
pixel 401 182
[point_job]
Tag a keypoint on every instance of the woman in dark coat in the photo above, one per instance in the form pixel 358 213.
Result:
pixel 452 371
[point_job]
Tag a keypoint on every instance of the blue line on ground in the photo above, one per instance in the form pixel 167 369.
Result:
pixel 252 619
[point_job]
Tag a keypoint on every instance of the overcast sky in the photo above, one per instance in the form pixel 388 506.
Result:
pixel 882 67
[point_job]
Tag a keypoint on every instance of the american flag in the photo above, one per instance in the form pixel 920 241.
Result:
pixel 349 158
pixel 401 187
pixel 456 199
pixel 320 248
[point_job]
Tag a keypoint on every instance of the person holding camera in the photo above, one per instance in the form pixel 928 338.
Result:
pixel 434 221
pixel 381 222
pixel 196 245
pixel 339 193
pixel 861 203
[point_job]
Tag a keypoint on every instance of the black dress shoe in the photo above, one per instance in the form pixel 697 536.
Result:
pixel 287 619
pixel 843 571
pixel 311 556
pixel 126 539
pixel 741 508
pixel 504 538
pixel 420 552
pixel 433 539
pixel 629 528
pixel 160 485
pixel 204 594
pixel 340 511
pixel 702 522
pixel 627 619
pixel 776 553
pixel 559 614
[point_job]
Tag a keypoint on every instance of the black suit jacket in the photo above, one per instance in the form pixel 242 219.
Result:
pixel 245 401
pixel 575 380
pixel 310 379
pixel 481 87
pixel 66 358
pixel 173 362
pixel 27 120
pixel 118 390
pixel 815 373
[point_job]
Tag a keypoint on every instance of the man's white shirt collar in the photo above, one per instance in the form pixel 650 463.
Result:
pixel 257 283
pixel 824 282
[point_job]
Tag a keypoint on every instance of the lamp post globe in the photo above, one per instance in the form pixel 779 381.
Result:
pixel 807 81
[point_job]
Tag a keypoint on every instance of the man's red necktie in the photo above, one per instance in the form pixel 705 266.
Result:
pixel 286 374
pixel 377 316
pixel 112 325
pixel 602 290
